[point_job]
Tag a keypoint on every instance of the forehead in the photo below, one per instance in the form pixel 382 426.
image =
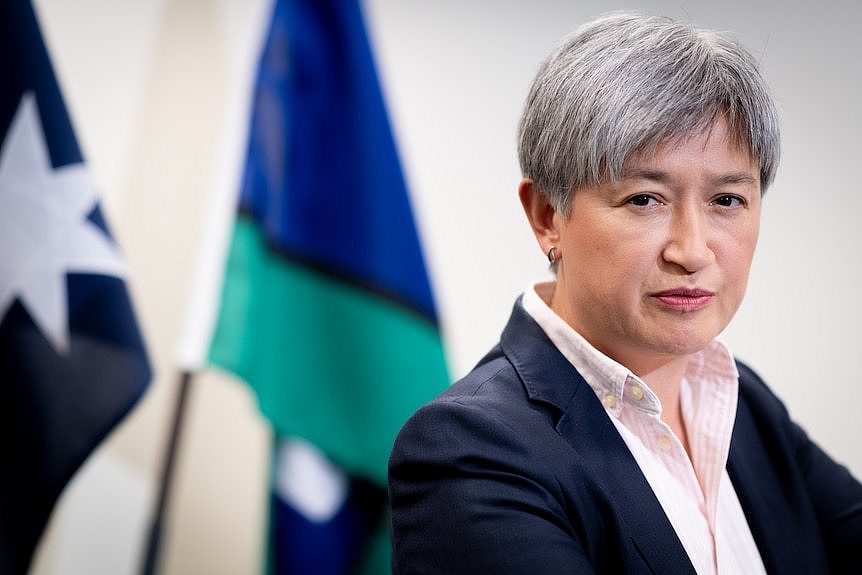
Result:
pixel 711 147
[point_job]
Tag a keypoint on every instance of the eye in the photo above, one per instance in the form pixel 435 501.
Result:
pixel 643 200
pixel 728 201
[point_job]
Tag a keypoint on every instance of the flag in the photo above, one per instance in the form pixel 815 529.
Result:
pixel 327 310
pixel 72 362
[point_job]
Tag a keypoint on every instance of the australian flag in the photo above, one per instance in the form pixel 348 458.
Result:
pixel 72 361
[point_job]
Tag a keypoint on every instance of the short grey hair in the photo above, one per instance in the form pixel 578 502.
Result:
pixel 627 82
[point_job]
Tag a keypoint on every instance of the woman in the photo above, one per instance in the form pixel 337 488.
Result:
pixel 609 431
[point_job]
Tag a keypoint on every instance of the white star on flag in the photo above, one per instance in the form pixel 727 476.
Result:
pixel 44 230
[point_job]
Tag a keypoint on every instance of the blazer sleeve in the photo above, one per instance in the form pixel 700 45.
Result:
pixel 835 495
pixel 837 499
pixel 464 499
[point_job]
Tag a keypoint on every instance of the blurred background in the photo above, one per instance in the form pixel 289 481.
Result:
pixel 158 91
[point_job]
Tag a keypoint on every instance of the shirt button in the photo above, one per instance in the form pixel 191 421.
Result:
pixel 637 392
pixel 664 442
pixel 610 401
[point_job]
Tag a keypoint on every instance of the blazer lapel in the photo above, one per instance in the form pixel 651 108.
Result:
pixel 549 377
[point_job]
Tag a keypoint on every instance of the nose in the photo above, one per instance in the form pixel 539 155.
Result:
pixel 688 242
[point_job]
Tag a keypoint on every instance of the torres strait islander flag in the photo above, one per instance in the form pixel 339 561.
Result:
pixel 72 362
pixel 326 309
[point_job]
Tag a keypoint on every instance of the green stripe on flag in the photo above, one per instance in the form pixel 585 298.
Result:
pixel 334 364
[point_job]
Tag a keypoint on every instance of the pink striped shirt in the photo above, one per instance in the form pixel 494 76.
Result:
pixel 696 494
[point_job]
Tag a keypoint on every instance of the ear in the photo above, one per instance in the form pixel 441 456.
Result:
pixel 540 213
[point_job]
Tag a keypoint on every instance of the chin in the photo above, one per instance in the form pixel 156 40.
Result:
pixel 681 349
pixel 684 342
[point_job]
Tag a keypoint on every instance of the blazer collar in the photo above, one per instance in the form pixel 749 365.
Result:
pixel 548 377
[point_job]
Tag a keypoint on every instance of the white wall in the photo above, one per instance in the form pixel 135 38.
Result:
pixel 154 87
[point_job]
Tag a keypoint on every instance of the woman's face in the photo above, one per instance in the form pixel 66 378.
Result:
pixel 655 265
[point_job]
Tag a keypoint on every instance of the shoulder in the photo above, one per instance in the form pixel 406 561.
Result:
pixel 819 493
pixel 483 425
pixel 475 481
pixel 757 396
pixel 488 410
pixel 763 420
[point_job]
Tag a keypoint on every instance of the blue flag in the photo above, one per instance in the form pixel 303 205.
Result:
pixel 327 311
pixel 72 361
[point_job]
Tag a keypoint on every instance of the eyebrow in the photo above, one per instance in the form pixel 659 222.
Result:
pixel 644 174
pixel 663 177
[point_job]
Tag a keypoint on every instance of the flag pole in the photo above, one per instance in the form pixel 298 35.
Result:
pixel 204 293
pixel 154 539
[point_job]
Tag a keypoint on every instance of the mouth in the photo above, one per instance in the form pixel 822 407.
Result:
pixel 684 299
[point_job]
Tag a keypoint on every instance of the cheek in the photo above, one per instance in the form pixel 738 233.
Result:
pixel 737 258
pixel 632 256
pixel 620 266
pixel 596 258
pixel 609 260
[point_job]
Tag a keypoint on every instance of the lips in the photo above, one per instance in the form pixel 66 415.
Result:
pixel 684 299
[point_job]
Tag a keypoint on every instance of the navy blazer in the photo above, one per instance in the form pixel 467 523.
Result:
pixel 518 469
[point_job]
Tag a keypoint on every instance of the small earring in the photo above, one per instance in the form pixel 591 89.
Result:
pixel 552 256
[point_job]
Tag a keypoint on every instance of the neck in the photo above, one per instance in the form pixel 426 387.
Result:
pixel 665 380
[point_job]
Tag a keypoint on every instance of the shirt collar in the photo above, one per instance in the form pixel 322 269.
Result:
pixel 614 384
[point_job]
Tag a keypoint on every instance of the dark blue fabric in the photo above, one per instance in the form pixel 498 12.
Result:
pixel 323 176
pixel 54 409
pixel 332 547
pixel 517 468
